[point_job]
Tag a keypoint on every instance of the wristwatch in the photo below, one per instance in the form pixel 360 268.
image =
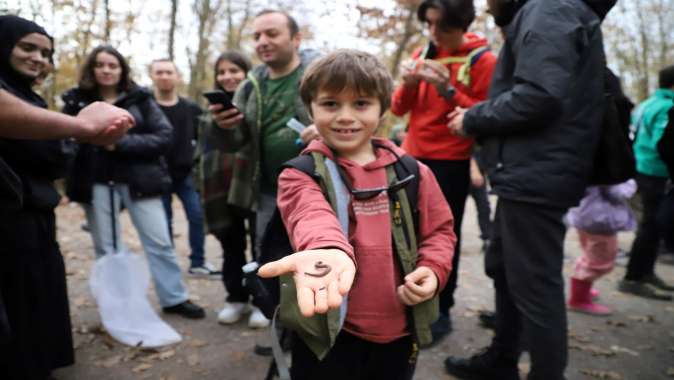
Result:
pixel 449 92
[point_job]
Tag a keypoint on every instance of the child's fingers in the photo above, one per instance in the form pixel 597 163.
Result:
pixel 334 297
pixel 321 299
pixel 346 280
pixel 305 301
pixel 418 290
pixel 277 268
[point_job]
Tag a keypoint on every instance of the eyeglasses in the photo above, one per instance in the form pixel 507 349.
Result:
pixel 365 194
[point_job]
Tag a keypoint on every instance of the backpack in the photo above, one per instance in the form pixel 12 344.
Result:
pixel 614 160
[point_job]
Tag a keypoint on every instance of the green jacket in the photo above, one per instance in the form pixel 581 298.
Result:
pixel 243 140
pixel 650 119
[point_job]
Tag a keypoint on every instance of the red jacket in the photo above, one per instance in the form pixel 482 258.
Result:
pixel 428 136
pixel 374 311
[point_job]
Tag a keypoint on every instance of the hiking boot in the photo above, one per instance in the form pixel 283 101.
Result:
pixel 658 283
pixel 643 289
pixel 257 320
pixel 232 312
pixel 486 365
pixel 186 309
pixel 439 330
pixel 580 299
pixel 487 319
pixel 207 270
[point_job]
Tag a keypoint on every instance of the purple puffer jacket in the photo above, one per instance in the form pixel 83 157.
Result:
pixel 604 209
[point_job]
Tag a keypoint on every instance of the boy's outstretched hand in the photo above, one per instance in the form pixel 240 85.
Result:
pixel 322 277
pixel 419 286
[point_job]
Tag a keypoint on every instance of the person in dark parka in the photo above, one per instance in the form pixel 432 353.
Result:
pixel 37 335
pixel 539 129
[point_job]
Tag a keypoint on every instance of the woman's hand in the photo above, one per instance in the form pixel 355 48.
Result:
pixel 322 277
pixel 223 118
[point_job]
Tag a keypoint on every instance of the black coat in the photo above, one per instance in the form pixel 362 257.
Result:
pixel 137 159
pixel 541 123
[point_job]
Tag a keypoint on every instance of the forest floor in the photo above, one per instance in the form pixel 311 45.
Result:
pixel 635 343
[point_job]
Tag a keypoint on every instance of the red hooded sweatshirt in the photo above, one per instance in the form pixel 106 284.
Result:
pixel 428 136
pixel 375 313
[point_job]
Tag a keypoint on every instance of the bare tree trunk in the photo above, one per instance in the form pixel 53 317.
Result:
pixel 207 20
pixel 108 22
pixel 86 34
pixel 408 32
pixel 644 74
pixel 172 30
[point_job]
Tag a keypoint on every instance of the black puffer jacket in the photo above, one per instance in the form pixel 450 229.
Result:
pixel 541 123
pixel 137 159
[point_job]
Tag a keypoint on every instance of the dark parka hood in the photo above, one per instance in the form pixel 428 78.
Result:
pixel 601 7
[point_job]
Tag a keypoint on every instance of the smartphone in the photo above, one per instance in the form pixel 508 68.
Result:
pixel 219 97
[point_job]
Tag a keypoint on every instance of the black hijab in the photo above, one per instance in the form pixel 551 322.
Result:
pixel 12 29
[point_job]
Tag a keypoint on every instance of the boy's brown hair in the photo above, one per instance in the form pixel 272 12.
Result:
pixel 347 69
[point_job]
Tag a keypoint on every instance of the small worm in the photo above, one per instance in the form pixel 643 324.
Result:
pixel 322 270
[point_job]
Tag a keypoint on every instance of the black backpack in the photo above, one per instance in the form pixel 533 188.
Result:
pixel 276 244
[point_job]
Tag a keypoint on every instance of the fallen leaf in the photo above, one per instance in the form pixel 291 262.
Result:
pixel 196 343
pixel 111 361
pixel 141 367
pixel 616 323
pixel 625 350
pixel 643 318
pixel 607 375
pixel 166 354
pixel 593 350
pixel 193 360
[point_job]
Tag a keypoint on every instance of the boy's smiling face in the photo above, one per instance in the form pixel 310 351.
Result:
pixel 346 121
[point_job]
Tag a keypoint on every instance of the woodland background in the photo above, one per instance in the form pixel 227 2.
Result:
pixel 638 34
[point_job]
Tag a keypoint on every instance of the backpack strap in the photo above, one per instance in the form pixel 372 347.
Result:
pixel 467 61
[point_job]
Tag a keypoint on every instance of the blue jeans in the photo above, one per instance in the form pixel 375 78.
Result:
pixel 184 189
pixel 149 219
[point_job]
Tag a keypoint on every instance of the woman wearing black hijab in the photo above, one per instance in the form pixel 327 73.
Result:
pixel 32 272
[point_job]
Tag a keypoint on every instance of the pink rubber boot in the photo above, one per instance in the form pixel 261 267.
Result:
pixel 581 299
pixel 594 293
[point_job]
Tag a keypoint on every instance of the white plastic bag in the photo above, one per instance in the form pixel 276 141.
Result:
pixel 119 282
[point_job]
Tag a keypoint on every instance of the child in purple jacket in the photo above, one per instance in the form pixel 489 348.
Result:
pixel 602 213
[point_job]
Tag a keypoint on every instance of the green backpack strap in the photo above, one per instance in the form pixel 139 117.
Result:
pixel 467 61
pixel 404 237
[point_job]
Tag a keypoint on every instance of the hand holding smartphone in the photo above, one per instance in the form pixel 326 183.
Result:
pixel 219 97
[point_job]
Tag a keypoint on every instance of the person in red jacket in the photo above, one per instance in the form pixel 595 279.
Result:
pixel 453 70
pixel 347 92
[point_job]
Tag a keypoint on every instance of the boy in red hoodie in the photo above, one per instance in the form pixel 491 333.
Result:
pixel 347 92
pixel 453 70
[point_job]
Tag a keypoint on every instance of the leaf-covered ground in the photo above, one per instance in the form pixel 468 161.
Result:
pixel 635 343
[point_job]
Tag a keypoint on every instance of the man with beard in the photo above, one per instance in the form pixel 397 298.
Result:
pixel 257 128
pixel 539 128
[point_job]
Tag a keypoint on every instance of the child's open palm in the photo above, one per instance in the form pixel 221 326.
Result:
pixel 322 277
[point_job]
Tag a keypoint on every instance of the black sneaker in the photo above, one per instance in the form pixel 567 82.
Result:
pixel 643 289
pixel 439 330
pixel 186 309
pixel 658 283
pixel 486 365
pixel 487 319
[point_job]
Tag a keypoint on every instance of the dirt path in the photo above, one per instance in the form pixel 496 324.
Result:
pixel 636 343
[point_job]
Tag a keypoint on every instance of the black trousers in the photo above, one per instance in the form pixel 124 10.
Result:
pixel 525 261
pixel 481 198
pixel 645 246
pixel 454 180
pixel 353 358
pixel 233 243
